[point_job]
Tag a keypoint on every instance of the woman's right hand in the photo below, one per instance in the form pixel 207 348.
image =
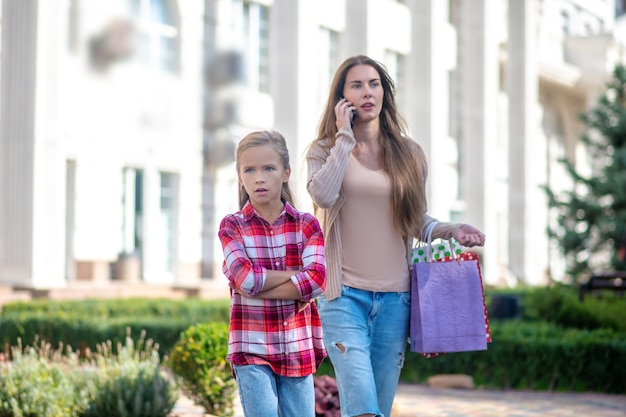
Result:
pixel 343 113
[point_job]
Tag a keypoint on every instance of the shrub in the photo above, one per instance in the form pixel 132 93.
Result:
pixel 559 304
pixel 194 309
pixel 129 384
pixel 546 357
pixel 86 323
pixel 199 360
pixel 38 383
pixel 42 382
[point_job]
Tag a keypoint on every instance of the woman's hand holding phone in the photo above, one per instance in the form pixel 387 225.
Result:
pixel 345 113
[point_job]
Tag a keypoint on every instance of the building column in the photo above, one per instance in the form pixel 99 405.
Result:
pixel 479 75
pixel 287 51
pixel 527 212
pixel 17 140
pixel 433 55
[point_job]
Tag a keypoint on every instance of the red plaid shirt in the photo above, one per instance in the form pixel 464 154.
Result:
pixel 271 332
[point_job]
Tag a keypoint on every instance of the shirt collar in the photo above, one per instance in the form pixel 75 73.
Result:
pixel 249 212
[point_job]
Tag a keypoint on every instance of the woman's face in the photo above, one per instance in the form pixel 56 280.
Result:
pixel 364 90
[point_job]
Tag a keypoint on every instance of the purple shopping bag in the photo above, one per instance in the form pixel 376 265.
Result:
pixel 448 306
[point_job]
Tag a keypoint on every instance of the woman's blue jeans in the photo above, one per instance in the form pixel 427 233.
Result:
pixel 265 394
pixel 366 334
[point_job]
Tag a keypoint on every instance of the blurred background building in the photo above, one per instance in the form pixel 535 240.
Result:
pixel 119 120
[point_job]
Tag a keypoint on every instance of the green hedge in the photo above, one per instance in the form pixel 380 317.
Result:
pixel 192 309
pixel 85 324
pixel 538 356
pixel 81 333
pixel 559 304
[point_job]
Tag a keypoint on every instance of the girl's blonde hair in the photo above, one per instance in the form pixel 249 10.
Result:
pixel 278 143
pixel 408 196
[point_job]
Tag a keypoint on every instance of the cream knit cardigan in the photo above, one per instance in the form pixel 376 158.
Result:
pixel 326 168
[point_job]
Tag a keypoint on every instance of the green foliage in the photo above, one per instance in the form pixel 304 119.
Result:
pixel 193 309
pixel 130 383
pixel 73 323
pixel 559 304
pixel 591 217
pixel 39 383
pixel 199 359
pixel 538 356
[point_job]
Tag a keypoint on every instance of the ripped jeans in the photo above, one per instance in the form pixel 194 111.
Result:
pixel 366 334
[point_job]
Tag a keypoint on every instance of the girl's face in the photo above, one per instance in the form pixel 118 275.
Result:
pixel 262 175
pixel 364 90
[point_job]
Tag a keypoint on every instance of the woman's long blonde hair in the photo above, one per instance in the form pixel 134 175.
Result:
pixel 276 141
pixel 397 159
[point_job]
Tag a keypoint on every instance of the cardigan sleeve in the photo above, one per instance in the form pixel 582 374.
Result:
pixel 443 230
pixel 326 168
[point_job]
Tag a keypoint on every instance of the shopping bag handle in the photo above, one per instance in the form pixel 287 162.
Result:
pixel 429 234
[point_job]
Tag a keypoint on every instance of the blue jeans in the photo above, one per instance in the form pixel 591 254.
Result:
pixel 265 394
pixel 366 334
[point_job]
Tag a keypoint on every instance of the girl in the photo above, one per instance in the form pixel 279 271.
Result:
pixel 367 182
pixel 274 260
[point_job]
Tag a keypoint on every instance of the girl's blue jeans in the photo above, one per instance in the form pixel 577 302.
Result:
pixel 366 334
pixel 265 394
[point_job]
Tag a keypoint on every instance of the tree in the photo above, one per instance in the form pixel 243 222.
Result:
pixel 590 225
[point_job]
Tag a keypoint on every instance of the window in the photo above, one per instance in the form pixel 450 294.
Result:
pixel 565 22
pixel 72 25
pixel 70 218
pixel 132 218
pixel 168 210
pixel 333 52
pixel 395 67
pixel 256 30
pixel 157 24
pixel 454 116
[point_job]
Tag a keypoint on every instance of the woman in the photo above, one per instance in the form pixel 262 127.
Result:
pixel 367 182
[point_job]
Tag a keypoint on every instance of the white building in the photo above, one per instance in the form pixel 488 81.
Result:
pixel 108 111
pixel 101 141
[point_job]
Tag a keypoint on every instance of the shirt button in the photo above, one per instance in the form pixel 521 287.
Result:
pixel 277 263
pixel 284 323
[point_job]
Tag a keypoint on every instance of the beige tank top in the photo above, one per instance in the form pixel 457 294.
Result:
pixel 374 253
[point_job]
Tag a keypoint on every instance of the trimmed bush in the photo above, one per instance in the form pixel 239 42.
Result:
pixel 199 359
pixel 191 309
pixel 538 356
pixel 84 324
pixel 559 304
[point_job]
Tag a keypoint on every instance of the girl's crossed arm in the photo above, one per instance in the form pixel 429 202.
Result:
pixel 254 281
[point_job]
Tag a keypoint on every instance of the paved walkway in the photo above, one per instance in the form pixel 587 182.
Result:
pixel 422 401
